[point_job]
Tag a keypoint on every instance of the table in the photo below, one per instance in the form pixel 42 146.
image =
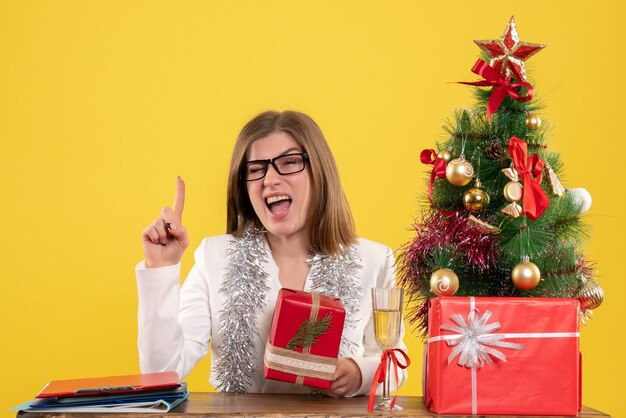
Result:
pixel 202 405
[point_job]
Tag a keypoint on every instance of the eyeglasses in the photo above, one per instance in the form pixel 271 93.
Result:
pixel 285 164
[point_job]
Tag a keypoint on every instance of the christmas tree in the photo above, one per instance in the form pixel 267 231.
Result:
pixel 498 222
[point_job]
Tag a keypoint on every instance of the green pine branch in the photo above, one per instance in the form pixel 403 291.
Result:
pixel 309 332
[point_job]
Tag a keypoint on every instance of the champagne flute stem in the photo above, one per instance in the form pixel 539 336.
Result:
pixel 384 390
pixel 387 382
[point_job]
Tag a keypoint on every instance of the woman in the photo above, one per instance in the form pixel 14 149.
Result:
pixel 288 225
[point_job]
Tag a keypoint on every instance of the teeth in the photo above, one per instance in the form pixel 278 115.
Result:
pixel 274 199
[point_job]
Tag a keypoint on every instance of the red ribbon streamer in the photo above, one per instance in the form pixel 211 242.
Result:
pixel 530 170
pixel 502 86
pixel 381 373
pixel 429 156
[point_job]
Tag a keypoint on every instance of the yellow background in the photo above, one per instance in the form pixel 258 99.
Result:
pixel 104 103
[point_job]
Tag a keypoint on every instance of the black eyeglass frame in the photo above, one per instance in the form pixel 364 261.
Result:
pixel 272 161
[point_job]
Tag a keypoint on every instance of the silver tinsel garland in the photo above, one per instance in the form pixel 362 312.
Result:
pixel 338 276
pixel 245 287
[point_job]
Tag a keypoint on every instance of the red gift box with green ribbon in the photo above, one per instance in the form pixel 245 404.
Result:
pixel 502 356
pixel 304 339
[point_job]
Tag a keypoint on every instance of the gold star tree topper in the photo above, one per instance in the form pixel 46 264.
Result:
pixel 509 53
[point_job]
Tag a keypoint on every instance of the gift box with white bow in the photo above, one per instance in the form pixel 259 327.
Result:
pixel 502 356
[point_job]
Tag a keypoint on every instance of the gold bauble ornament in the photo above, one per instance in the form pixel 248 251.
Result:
pixel 476 198
pixel 459 171
pixel 444 282
pixel 445 155
pixel 513 191
pixel 533 122
pixel 526 275
pixel 590 295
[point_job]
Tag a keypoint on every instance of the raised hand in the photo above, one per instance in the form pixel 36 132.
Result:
pixel 165 239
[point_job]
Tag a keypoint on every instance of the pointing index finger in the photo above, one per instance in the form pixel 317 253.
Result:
pixel 179 199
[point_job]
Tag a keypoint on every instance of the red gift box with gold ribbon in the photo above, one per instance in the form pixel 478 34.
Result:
pixel 304 339
pixel 502 356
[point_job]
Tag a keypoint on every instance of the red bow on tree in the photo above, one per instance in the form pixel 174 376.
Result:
pixel 530 171
pixel 502 86
pixel 381 373
pixel 429 156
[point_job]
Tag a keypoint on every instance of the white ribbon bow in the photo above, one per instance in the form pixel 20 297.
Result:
pixel 474 341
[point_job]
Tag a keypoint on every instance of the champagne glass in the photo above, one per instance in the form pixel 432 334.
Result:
pixel 387 304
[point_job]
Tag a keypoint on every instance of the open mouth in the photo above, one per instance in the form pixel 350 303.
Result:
pixel 278 204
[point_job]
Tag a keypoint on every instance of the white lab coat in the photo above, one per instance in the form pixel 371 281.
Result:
pixel 177 324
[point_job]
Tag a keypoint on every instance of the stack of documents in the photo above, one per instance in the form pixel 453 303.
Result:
pixel 153 392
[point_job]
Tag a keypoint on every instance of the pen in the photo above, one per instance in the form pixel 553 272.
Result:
pixel 105 389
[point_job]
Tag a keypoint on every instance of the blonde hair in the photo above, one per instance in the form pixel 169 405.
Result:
pixel 330 223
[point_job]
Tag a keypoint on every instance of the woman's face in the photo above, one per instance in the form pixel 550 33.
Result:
pixel 280 201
